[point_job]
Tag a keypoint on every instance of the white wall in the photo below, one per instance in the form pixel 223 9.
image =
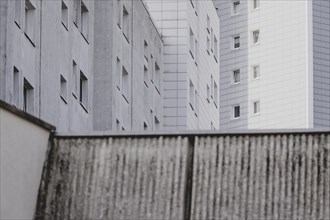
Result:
pixel 283 58
pixel 23 148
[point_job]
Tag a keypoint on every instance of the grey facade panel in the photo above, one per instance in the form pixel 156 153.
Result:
pixel 321 62
pixel 230 95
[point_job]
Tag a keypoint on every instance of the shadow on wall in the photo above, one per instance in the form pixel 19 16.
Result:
pixel 277 176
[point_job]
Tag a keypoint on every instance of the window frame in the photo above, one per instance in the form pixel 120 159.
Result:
pixel 253 37
pixel 238 71
pixel 234 44
pixel 234 112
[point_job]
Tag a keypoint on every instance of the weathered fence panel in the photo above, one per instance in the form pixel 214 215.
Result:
pixel 115 178
pixel 261 177
pixel 248 176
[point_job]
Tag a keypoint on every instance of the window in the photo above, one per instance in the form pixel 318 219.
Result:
pixel 208 93
pixel 208 45
pixel 28 97
pixel 157 77
pixel 83 90
pixel 208 23
pixel 191 95
pixel 215 48
pixel 236 112
pixel 18 12
pixel 146 76
pixel 63 89
pixel 235 7
pixel 74 79
pixel 212 42
pixel 196 52
pixel 195 102
pixel 118 73
pixel 126 23
pixel 157 123
pixel 212 87
pixel 125 88
pixel 76 13
pixel 236 76
pixel 192 43
pixel 236 41
pixel 119 10
pixel 256 107
pixel 216 92
pixel 256 4
pixel 146 51
pixel 256 72
pixel 118 125
pixel 192 3
pixel 84 20
pixel 30 12
pixel 256 36
pixel 145 126
pixel 64 15
pixel 16 89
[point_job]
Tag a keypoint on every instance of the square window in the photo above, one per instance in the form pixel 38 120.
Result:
pixel 64 15
pixel 84 21
pixel 76 12
pixel 30 13
pixel 191 95
pixel 126 23
pixel 236 112
pixel 256 4
pixel 256 107
pixel 235 7
pixel 63 89
pixel 256 35
pixel 146 76
pixel 236 76
pixel 118 73
pixel 18 12
pixel 16 87
pixel 208 92
pixel 192 43
pixel 157 123
pixel 83 90
pixel 125 84
pixel 119 11
pixel 236 42
pixel 157 77
pixel 28 97
pixel 146 51
pixel 74 79
pixel 256 72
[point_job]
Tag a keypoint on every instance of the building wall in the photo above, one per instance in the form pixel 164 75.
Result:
pixel 175 19
pixel 321 63
pixel 44 51
pixel 282 54
pixel 23 146
pixel 116 108
pixel 233 94
pixel 3 42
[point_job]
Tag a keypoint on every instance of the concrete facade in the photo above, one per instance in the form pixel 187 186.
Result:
pixel 42 41
pixel 48 63
pixel 128 71
pixel 283 62
pixel 190 31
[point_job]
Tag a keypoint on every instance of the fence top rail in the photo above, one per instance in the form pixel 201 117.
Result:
pixel 191 133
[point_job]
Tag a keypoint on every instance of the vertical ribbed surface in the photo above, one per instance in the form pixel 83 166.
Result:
pixel 225 177
pixel 114 179
pixel 261 177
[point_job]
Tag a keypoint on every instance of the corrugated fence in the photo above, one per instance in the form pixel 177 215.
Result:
pixel 268 176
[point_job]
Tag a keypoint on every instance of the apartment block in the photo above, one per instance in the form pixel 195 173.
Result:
pixel 128 68
pixel 190 31
pixel 46 60
pixel 275 64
